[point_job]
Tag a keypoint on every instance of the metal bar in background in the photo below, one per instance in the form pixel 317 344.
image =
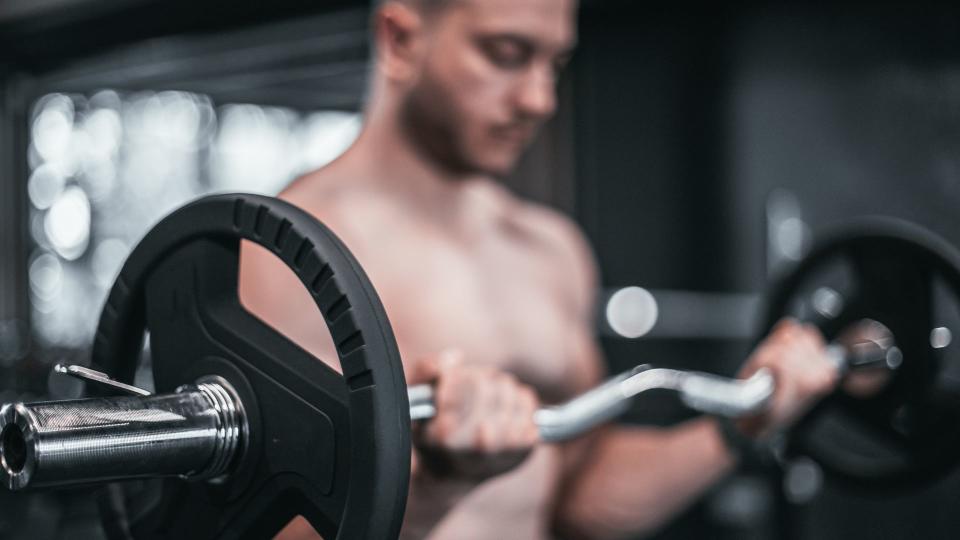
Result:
pixel 634 312
pixel 19 10
pixel 316 49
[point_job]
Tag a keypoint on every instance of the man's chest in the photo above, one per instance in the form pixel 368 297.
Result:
pixel 498 304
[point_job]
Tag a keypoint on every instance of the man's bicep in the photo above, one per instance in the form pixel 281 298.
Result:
pixel 585 346
pixel 587 367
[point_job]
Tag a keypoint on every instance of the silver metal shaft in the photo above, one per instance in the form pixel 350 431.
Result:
pixel 193 433
pixel 703 392
pixel 196 432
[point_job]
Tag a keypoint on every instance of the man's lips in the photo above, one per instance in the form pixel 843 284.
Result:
pixel 514 134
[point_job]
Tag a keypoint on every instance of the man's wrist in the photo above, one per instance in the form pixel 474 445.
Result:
pixel 738 443
pixel 435 474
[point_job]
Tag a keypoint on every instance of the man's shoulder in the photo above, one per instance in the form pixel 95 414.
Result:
pixel 559 243
pixel 539 224
pixel 333 198
pixel 316 189
pixel 564 250
pixel 558 234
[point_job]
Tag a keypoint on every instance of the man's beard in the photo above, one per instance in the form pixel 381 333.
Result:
pixel 430 122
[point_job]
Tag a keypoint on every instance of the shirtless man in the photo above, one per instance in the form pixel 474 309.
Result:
pixel 491 298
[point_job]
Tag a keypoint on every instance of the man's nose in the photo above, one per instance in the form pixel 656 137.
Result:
pixel 536 97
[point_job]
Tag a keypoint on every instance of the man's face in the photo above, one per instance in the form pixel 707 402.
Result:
pixel 487 80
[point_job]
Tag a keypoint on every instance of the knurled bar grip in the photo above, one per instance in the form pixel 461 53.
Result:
pixel 194 433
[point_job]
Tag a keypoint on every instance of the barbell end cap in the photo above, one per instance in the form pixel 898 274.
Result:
pixel 17 446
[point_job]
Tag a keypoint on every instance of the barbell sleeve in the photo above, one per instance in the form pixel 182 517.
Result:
pixel 194 433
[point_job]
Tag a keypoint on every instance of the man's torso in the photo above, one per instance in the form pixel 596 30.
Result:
pixel 491 285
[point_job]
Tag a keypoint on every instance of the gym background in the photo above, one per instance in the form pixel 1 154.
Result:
pixel 700 149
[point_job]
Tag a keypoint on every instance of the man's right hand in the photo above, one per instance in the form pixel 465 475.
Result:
pixel 484 420
pixel 796 356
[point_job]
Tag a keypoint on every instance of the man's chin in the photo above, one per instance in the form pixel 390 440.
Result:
pixel 491 164
pixel 498 167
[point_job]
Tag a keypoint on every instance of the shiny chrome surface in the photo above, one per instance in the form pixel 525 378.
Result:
pixel 723 396
pixel 194 433
pixel 556 423
pixel 603 403
pixel 98 377
pixel 704 392
pixel 421 402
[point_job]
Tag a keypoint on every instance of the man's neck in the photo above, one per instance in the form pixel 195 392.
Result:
pixel 384 156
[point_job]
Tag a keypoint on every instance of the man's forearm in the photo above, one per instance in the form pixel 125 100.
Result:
pixel 430 498
pixel 633 480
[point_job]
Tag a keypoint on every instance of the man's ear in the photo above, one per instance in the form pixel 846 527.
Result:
pixel 399 40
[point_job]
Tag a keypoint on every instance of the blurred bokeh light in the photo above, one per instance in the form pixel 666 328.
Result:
pixel 105 167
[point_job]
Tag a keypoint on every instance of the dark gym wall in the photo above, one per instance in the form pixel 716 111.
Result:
pixel 649 89
pixel 44 35
pixel 687 122
pixel 853 111
pixel 650 86
pixel 14 327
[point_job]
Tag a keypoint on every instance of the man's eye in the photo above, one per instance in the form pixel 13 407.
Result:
pixel 507 55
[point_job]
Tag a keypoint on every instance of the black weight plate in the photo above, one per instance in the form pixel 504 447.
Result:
pixel 907 434
pixel 332 448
